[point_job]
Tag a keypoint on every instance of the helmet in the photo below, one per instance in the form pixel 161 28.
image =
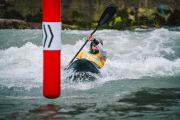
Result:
pixel 95 51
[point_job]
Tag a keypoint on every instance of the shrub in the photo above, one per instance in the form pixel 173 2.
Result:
pixel 35 18
pixel 174 19
pixel 13 14
pixel 132 12
pixel 76 15
pixel 122 13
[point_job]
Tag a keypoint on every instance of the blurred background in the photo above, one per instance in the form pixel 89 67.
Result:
pixel 84 14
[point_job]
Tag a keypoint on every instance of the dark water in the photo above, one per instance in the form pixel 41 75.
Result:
pixel 140 80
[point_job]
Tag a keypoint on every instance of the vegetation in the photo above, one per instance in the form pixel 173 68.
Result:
pixel 13 14
pixel 76 15
pixel 35 18
pixel 174 19
pixel 132 12
pixel 120 20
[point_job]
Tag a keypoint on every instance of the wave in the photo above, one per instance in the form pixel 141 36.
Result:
pixel 131 55
pixel 21 67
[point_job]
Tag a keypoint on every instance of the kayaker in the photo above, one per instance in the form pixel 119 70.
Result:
pixel 97 55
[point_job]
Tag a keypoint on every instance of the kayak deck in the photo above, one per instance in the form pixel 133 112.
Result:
pixel 83 65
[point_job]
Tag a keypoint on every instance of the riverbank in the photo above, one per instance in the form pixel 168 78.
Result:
pixel 132 27
pixel 20 24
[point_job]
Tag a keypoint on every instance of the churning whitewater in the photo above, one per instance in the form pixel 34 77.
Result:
pixel 146 61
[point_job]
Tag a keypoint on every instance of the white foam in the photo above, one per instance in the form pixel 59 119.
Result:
pixel 142 54
pixel 21 65
pixel 131 55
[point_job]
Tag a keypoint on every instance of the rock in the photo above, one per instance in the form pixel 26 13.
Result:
pixel 143 26
pixel 156 26
pixel 34 25
pixel 26 27
pixel 18 24
pixel 134 27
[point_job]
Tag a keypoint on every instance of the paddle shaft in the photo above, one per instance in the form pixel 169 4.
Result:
pixel 83 46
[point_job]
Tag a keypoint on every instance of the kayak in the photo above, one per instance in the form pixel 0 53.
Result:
pixel 83 65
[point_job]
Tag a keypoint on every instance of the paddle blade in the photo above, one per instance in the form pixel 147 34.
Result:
pixel 107 14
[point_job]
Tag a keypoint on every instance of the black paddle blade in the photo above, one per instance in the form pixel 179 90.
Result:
pixel 107 14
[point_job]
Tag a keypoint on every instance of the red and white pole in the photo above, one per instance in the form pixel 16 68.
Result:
pixel 51 27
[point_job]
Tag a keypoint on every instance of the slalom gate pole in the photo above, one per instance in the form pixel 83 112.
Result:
pixel 51 27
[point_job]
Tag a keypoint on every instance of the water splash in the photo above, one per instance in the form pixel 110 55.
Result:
pixel 131 55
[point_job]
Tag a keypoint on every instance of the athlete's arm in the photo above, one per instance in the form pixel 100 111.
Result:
pixel 102 52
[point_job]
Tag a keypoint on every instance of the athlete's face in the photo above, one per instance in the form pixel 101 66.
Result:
pixel 94 47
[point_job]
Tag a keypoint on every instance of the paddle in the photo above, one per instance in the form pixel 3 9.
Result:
pixel 107 15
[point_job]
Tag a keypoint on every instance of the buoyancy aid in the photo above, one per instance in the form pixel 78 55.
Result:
pixel 92 57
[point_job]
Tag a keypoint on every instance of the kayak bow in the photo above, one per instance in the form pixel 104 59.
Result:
pixel 83 65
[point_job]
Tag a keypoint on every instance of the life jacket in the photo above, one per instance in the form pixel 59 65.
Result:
pixel 92 57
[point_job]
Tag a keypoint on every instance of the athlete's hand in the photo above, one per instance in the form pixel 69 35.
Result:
pixel 65 66
pixel 90 37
